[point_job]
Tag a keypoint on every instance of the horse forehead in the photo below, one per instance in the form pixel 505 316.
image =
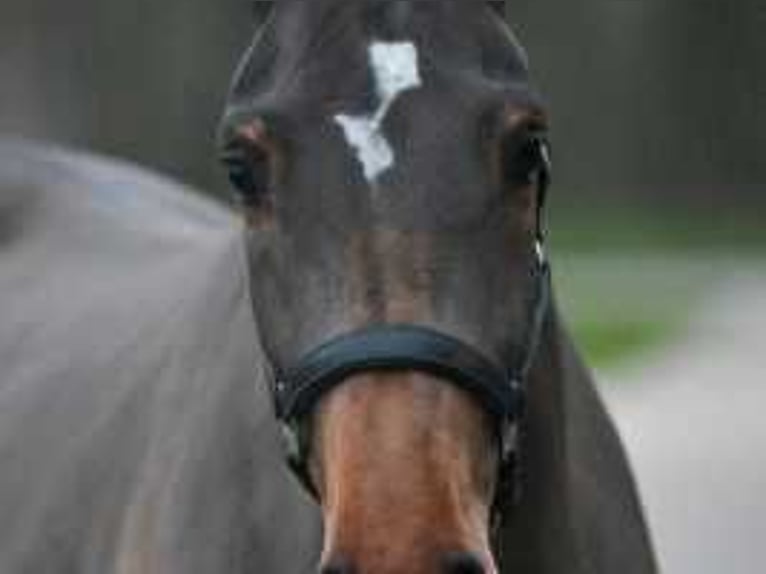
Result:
pixel 325 33
pixel 316 59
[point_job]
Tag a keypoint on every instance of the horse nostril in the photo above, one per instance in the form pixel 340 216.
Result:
pixel 462 563
pixel 337 567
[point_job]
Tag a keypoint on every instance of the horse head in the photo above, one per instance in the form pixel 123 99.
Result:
pixel 390 158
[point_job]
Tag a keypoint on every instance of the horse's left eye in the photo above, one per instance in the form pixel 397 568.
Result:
pixel 525 159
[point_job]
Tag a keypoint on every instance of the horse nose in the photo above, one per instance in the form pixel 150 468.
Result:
pixel 462 563
pixel 338 567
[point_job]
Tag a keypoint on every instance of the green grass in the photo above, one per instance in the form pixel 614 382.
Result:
pixel 620 306
pixel 629 277
pixel 607 343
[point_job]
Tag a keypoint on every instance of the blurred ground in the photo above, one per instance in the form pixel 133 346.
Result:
pixel 693 418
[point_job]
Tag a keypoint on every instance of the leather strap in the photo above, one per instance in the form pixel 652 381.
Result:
pixel 395 347
pixel 412 347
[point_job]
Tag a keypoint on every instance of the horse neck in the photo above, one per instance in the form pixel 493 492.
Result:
pixel 578 495
pixel 534 532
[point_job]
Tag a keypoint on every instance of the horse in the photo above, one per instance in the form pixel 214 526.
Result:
pixel 387 324
pixel 135 435
pixel 391 158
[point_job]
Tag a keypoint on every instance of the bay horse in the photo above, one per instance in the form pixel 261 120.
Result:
pixel 391 301
pixel 391 159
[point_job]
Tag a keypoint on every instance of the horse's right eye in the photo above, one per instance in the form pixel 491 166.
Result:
pixel 524 158
pixel 249 168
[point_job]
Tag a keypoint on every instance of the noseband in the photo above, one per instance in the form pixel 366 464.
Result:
pixel 500 389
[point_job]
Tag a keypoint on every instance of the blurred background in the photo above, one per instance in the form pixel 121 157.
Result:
pixel 657 216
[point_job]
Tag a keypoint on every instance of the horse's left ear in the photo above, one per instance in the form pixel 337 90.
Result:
pixel 498 6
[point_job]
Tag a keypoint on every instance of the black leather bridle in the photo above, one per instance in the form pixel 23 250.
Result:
pixel 499 388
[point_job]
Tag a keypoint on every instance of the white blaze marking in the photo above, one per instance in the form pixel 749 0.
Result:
pixel 395 67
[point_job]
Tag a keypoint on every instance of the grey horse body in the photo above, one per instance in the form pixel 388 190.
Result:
pixel 136 434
